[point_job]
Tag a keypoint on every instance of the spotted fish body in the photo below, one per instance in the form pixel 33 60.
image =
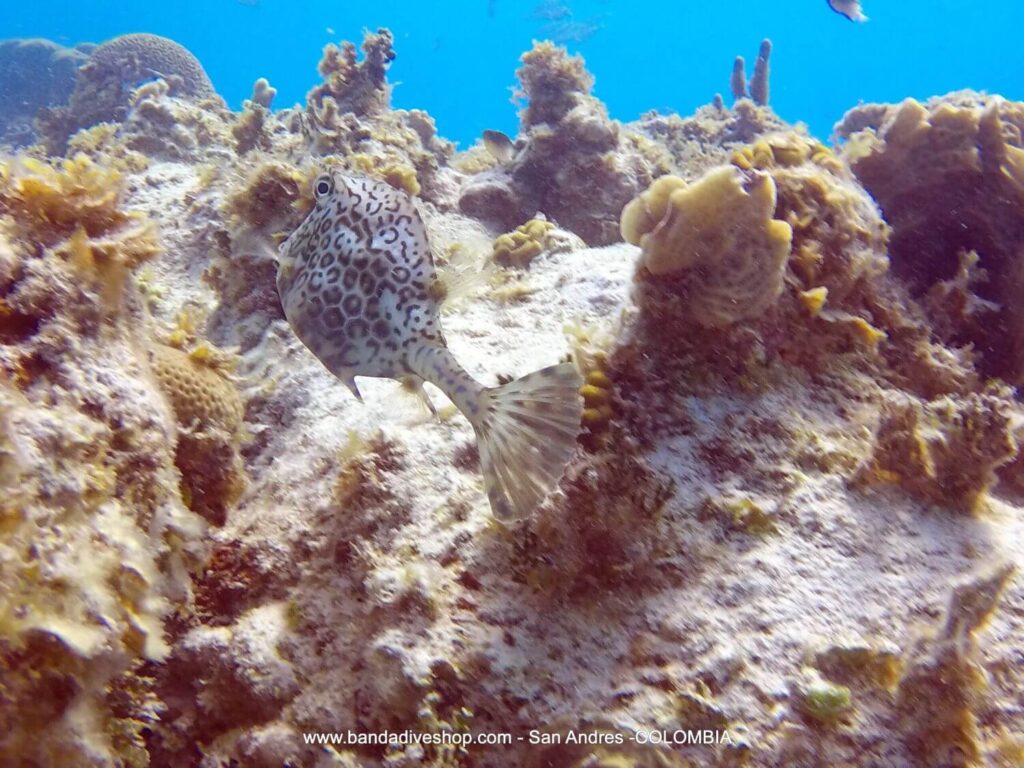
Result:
pixel 358 286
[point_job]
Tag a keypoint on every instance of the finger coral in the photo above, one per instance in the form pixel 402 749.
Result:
pixel 949 177
pixel 721 231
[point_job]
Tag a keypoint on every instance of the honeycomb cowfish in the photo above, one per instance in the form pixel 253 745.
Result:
pixel 358 286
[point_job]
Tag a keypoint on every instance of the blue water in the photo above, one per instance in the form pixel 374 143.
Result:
pixel 458 63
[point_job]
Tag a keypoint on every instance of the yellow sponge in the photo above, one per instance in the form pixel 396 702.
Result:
pixel 721 229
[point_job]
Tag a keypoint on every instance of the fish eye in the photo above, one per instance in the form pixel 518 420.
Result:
pixel 323 186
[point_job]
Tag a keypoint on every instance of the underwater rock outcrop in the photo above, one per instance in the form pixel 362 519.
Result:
pixel 949 177
pixel 945 683
pixel 96 543
pixel 113 70
pixel 946 450
pixel 571 162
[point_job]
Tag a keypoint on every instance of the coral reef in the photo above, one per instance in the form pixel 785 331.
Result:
pixel 96 542
pixel 948 177
pixel 575 165
pixel 946 450
pixel 720 230
pixel 105 82
pixel 36 74
pixel 786 455
pixel 348 117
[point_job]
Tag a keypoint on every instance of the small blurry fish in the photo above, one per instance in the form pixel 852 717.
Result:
pixel 498 144
pixel 551 10
pixel 358 286
pixel 848 8
pixel 330 31
pixel 250 3
pixel 571 31
pixel 492 8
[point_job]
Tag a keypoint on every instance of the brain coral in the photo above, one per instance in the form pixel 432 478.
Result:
pixel 721 231
pixel 949 177
pixel 209 412
pixel 112 71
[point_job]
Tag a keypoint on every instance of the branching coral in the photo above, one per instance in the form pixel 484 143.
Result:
pixel 351 85
pixel 948 450
pixel 113 70
pixel 347 117
pixel 721 231
pixel 949 176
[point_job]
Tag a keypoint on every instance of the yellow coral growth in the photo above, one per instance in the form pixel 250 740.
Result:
pixel 209 411
pixel 49 203
pixel 520 246
pixel 721 230
pixel 198 393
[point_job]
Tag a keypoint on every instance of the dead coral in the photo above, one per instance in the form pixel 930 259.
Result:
pixel 575 164
pixel 949 176
pixel 947 450
pixel 97 544
pixel 252 130
pixel 209 411
pixel 354 86
pixel 163 126
pixel 75 210
pixel 944 683
pixel 113 70
pixel 347 118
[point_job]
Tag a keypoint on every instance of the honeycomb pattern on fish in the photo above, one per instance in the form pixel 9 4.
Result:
pixel 357 283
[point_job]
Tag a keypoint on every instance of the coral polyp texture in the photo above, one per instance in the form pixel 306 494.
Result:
pixel 789 530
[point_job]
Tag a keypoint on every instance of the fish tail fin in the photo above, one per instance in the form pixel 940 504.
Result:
pixel 527 432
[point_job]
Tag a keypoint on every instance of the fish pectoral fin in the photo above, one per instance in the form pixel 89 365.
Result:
pixel 350 382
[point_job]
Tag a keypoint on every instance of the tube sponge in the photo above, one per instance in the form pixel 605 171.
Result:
pixel 720 229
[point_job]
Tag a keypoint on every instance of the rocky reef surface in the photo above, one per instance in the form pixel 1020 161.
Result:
pixel 791 533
